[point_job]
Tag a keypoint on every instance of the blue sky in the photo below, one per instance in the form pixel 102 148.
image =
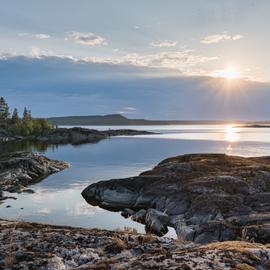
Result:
pixel 103 56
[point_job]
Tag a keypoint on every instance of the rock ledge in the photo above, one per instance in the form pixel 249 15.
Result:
pixel 205 197
pixel 39 246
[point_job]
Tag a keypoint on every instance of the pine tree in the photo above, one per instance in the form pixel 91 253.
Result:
pixel 4 113
pixel 15 117
pixel 26 115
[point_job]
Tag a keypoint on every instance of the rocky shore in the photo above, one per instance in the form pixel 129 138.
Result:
pixel 21 169
pixel 205 197
pixel 46 247
pixel 71 135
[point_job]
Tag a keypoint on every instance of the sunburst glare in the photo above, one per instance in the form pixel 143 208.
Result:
pixel 228 73
pixel 231 133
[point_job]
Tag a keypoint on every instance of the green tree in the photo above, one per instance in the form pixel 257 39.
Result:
pixel 4 113
pixel 26 115
pixel 27 125
pixel 15 119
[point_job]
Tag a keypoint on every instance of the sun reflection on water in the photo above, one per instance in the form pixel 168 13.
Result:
pixel 232 133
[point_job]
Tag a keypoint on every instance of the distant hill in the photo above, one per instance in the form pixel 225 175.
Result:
pixel 118 120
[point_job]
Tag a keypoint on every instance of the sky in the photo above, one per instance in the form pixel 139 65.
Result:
pixel 196 59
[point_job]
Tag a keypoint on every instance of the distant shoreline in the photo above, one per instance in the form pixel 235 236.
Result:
pixel 255 126
pixel 120 120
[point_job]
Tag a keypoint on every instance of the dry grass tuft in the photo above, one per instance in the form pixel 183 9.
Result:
pixel 244 266
pixel 24 225
pixel 147 238
pixel 10 260
pixel 232 245
pixel 130 230
pixel 116 246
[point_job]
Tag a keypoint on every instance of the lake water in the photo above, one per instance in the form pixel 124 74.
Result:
pixel 57 199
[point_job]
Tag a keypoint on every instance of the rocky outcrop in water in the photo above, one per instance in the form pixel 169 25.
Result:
pixel 44 247
pixel 205 197
pixel 72 135
pixel 21 169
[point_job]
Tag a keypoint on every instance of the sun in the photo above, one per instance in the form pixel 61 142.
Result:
pixel 228 73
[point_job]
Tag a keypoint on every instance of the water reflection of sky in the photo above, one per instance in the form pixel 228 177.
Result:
pixel 57 199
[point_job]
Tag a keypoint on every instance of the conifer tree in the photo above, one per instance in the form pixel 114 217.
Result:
pixel 15 117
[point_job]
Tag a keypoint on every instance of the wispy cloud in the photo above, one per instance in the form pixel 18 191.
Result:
pixel 179 60
pixel 127 110
pixel 41 36
pixel 163 43
pixel 217 38
pixel 36 36
pixel 85 38
pixel 185 61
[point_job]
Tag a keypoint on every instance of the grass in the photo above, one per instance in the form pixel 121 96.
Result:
pixel 244 266
pixel 147 238
pixel 10 259
pixel 232 245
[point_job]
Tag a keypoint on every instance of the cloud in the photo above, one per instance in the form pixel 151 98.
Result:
pixel 84 38
pixel 163 43
pixel 128 110
pixel 36 36
pixel 185 62
pixel 216 38
pixel 37 52
pixel 41 36
pixel 179 60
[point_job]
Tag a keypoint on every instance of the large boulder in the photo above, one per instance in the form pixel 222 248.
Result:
pixel 205 197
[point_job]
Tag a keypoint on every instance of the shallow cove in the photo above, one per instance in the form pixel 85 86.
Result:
pixel 58 200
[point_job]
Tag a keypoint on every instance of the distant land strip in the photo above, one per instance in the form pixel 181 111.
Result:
pixel 120 120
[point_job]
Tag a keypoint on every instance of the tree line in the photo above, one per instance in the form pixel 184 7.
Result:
pixel 25 125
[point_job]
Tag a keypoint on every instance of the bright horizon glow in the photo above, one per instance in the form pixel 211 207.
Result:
pixel 228 73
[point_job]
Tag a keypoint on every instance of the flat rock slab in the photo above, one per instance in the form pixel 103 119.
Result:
pixel 21 169
pixel 205 197
pixel 39 246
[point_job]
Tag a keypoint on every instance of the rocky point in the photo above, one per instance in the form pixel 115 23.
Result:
pixel 21 169
pixel 205 197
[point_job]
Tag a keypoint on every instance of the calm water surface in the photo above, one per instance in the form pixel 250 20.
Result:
pixel 57 199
